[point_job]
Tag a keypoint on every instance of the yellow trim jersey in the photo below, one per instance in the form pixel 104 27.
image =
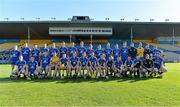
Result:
pixel 54 60
pixel 140 51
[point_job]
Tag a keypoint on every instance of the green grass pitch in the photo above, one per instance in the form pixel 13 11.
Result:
pixel 114 92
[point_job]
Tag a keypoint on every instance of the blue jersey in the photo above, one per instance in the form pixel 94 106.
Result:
pixel 93 61
pixel 81 50
pixel 147 51
pixel 62 50
pixel 26 53
pixel 74 61
pixel 43 50
pixel 107 53
pixel 32 66
pixel 98 53
pixel 155 52
pixel 35 54
pixel 83 61
pixel 20 64
pixel 52 51
pixel 71 51
pixel 116 53
pixel 45 61
pixel 14 54
pixel 64 61
pixel 124 54
pixel 138 60
pixel 129 63
pixel 157 62
pixel 102 62
pixel 110 63
pixel 118 64
pixel 89 52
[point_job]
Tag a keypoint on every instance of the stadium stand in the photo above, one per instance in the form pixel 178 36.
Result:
pixel 168 47
pixel 143 41
pixel 6 46
pixel 9 41
pixel 60 40
pixel 4 57
pixel 41 33
pixel 96 41
pixel 178 44
pixel 168 40
pixel 36 41
pixel 171 56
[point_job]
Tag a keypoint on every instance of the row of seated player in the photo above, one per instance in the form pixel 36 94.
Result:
pixel 103 61
pixel 102 69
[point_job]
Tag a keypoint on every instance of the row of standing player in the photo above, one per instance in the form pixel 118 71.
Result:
pixel 107 59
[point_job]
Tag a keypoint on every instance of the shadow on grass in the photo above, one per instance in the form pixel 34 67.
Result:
pixel 136 79
pixel 78 80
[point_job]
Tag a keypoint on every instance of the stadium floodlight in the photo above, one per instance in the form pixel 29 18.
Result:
pixel 69 19
pixel 22 19
pixel 6 19
pixel 166 20
pixel 107 19
pixel 136 20
pixel 92 19
pixel 122 19
pixel 151 20
pixel 38 18
pixel 53 18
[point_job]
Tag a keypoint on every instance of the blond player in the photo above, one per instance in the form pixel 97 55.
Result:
pixel 54 65
pixel 140 51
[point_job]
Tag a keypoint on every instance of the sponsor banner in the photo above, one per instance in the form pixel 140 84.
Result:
pixel 80 31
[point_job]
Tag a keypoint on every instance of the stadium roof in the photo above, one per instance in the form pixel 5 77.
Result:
pixel 122 29
pixel 98 22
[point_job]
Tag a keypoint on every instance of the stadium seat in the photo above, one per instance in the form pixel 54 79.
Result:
pixel 96 41
pixel 144 41
pixel 6 46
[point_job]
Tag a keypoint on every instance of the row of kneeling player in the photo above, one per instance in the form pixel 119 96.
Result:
pixel 87 67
